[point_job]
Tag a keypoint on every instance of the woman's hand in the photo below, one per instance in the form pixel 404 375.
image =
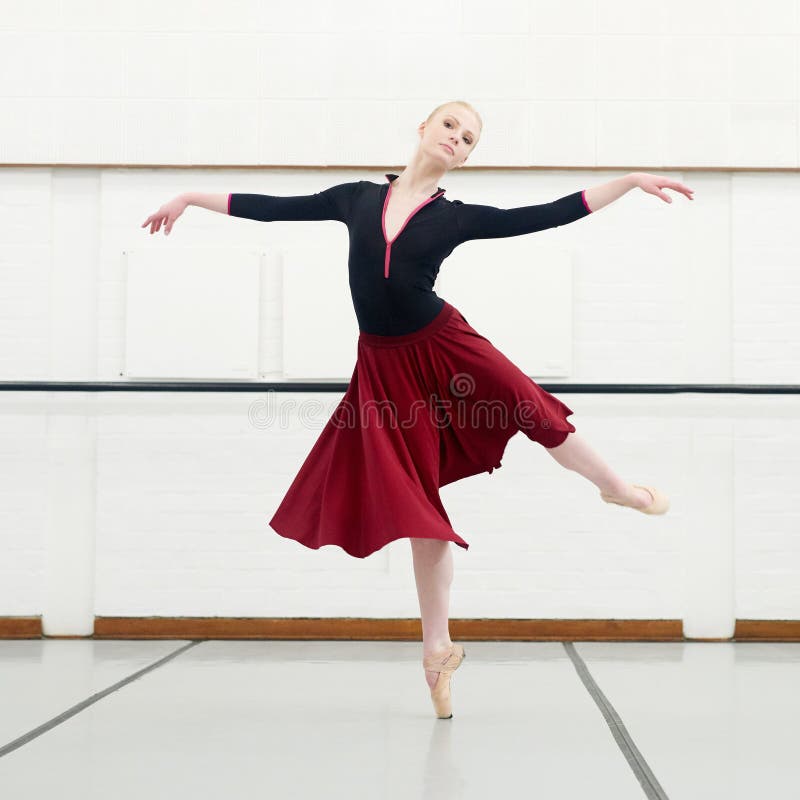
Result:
pixel 166 215
pixel 653 184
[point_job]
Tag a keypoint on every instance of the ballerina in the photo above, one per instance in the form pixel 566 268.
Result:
pixel 451 399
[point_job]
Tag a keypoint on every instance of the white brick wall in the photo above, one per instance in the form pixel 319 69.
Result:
pixel 590 82
pixel 181 487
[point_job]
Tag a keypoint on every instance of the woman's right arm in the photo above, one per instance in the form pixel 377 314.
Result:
pixel 213 202
pixel 170 211
pixel 332 203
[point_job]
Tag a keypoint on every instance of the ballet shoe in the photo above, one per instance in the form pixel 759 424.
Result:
pixel 445 663
pixel 659 505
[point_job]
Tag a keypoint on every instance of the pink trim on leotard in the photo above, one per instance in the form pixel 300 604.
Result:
pixel 389 244
pixel 229 203
pixel 583 197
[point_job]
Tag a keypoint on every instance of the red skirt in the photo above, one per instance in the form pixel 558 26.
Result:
pixel 422 410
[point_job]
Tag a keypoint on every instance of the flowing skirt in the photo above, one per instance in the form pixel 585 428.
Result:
pixel 421 410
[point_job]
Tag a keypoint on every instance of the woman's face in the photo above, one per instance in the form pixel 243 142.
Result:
pixel 451 135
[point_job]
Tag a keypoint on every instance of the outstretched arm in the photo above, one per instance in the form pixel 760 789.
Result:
pixel 213 202
pixel 605 193
pixel 332 203
pixel 487 222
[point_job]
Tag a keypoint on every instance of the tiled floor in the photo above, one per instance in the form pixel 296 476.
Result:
pixel 242 719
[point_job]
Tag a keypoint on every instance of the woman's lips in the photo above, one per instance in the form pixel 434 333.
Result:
pixel 449 149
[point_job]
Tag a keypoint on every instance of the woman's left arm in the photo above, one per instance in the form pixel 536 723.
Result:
pixel 605 193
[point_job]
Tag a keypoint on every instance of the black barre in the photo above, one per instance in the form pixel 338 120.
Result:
pixel 330 386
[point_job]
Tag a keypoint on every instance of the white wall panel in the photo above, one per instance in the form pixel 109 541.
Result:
pixel 191 313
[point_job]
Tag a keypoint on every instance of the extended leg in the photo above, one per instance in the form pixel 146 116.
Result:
pixel 433 572
pixel 575 454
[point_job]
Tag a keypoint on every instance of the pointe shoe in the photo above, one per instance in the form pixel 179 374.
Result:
pixel 445 663
pixel 659 505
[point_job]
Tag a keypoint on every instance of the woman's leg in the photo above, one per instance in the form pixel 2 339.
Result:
pixel 574 453
pixel 433 572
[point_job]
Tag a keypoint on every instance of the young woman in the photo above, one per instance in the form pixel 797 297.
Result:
pixel 431 400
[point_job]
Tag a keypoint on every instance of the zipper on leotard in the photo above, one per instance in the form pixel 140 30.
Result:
pixel 389 244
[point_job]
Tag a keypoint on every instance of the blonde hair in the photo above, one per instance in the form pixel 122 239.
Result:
pixel 463 103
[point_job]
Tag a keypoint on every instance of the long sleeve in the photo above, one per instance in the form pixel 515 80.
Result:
pixel 333 203
pixel 488 222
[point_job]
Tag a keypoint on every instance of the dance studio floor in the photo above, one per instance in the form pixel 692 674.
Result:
pixel 331 719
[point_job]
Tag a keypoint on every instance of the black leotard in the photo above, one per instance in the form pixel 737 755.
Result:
pixel 391 283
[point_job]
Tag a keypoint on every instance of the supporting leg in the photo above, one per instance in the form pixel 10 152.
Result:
pixel 433 572
pixel 575 454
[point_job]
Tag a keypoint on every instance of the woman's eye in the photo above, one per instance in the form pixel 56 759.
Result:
pixel 465 139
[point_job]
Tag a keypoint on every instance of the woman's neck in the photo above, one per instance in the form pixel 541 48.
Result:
pixel 416 181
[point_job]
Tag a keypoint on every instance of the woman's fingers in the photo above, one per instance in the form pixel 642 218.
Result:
pixel 655 183
pixel 154 221
pixel 678 187
pixel 165 219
